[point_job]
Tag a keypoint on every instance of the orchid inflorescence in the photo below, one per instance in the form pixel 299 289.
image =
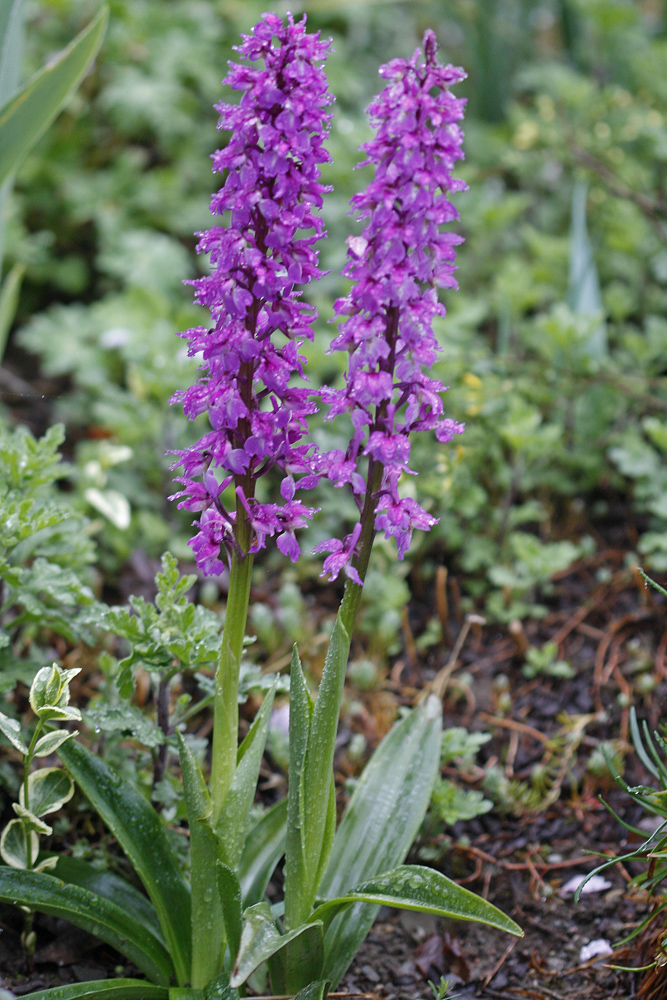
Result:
pixel 272 189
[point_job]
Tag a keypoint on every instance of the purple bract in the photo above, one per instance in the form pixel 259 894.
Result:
pixel 251 352
pixel 397 265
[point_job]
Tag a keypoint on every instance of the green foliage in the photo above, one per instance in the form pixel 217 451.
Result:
pixel 42 792
pixel 544 661
pixel 29 112
pixel 45 550
pixel 168 636
pixel 449 804
pixel 651 853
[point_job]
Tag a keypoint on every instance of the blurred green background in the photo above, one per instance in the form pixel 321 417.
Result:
pixel 555 346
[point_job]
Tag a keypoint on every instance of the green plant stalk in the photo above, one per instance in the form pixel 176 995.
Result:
pixel 226 707
pixel 27 761
pixel 300 898
pixel 28 937
pixel 352 595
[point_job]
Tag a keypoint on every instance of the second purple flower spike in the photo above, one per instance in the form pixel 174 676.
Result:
pixel 397 265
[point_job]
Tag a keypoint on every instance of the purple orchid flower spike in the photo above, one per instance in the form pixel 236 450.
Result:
pixel 251 353
pixel 397 265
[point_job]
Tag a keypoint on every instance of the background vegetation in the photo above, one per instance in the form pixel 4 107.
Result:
pixel 554 347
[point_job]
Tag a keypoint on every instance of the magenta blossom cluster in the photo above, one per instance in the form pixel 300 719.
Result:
pixel 397 265
pixel 250 354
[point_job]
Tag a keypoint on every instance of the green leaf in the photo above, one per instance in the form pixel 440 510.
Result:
pixel 413 887
pixel 48 790
pixel 139 831
pixel 381 823
pixel 297 909
pixel 50 689
pixel 298 962
pixel 11 46
pixel 219 989
pixel 30 821
pixel 9 300
pixel 314 991
pixel 233 820
pixel 104 989
pixel 230 898
pixel 11 729
pixel 49 744
pixel 111 887
pixel 264 847
pixel 316 780
pixel 260 941
pixel 84 909
pixel 205 850
pixel 584 285
pixel 112 505
pixel 26 115
pixel 127 719
pixel 14 844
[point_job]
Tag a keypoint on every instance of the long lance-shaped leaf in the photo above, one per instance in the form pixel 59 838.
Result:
pixel 233 820
pixel 29 112
pixel 309 834
pixel 298 962
pixel 316 785
pixel 12 35
pixel 113 888
pixel 264 847
pixel 380 825
pixel 297 908
pixel 208 931
pixel 229 889
pixel 11 46
pixel 413 887
pixel 260 941
pixel 104 989
pixel 98 916
pixel 138 829
pixel 583 292
pixel 9 295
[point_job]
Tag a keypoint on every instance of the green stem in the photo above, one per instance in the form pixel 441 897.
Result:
pixel 28 936
pixel 352 596
pixel 27 761
pixel 226 705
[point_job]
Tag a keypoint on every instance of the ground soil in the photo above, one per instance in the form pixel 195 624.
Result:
pixel 613 631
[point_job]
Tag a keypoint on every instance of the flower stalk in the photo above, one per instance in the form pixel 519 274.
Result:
pixel 258 416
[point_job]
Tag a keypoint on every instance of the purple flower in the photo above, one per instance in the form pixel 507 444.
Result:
pixel 341 555
pixel 396 266
pixel 250 353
